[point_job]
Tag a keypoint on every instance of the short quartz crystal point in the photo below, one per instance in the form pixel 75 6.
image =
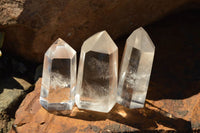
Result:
pixel 135 69
pixel 97 74
pixel 59 77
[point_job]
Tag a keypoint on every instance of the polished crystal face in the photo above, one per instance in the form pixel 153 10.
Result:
pixel 135 69
pixel 97 74
pixel 59 77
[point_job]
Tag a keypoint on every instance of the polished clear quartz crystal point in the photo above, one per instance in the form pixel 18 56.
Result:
pixel 135 69
pixel 97 74
pixel 59 77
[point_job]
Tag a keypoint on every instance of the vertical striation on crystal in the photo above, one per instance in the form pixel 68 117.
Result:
pixel 59 77
pixel 97 74
pixel 135 69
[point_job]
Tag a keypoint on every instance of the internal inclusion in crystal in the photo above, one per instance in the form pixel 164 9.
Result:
pixel 135 69
pixel 97 76
pixel 59 77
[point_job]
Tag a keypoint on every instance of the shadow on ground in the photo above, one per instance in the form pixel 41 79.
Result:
pixel 144 119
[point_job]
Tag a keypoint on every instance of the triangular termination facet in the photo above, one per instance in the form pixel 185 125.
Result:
pixel 100 42
pixel 140 40
pixel 58 50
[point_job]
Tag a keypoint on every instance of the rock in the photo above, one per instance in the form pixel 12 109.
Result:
pixel 167 115
pixel 26 85
pixel 9 97
pixel 12 92
pixel 9 101
pixel 31 26
pixel 5 122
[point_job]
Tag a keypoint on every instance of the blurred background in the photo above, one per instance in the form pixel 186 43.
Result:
pixel 29 27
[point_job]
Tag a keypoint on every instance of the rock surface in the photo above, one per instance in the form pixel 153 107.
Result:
pixel 12 92
pixel 179 115
pixel 31 26
pixel 9 99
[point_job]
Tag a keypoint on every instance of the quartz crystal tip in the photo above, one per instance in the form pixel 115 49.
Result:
pixel 97 74
pixel 141 40
pixel 135 69
pixel 59 77
pixel 99 42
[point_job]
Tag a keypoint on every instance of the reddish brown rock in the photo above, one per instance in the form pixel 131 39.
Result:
pixel 179 115
pixel 31 26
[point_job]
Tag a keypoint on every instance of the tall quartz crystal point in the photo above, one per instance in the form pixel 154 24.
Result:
pixel 59 77
pixel 97 74
pixel 135 69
